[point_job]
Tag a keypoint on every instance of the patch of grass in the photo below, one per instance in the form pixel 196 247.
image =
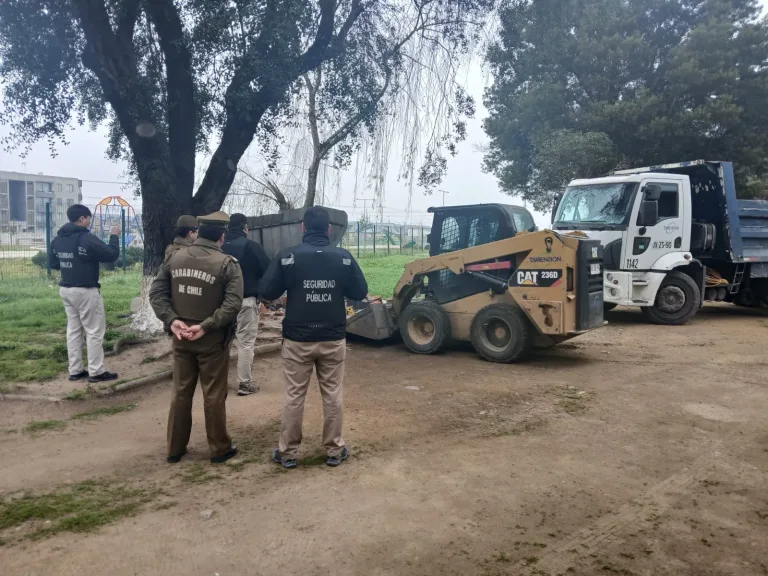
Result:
pixel 198 474
pixel 40 426
pixel 104 411
pixel 236 465
pixel 318 459
pixel 82 507
pixel 530 560
pixel 256 442
pixel 76 395
pixel 112 336
pixel 502 557
pixel 383 272
pixel 573 400
pixel 33 323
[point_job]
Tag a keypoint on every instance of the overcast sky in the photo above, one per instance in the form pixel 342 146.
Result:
pixel 466 183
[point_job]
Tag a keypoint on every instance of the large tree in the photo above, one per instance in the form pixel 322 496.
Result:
pixel 171 77
pixel 584 86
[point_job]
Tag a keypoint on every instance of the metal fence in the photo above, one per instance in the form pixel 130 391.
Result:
pixel 385 239
pixel 24 248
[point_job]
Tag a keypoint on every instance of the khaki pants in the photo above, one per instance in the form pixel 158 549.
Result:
pixel 208 360
pixel 85 321
pixel 299 358
pixel 247 330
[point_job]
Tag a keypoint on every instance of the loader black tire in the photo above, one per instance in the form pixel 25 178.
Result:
pixel 501 333
pixel 425 327
pixel 680 295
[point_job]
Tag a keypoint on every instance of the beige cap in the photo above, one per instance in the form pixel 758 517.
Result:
pixel 186 221
pixel 217 220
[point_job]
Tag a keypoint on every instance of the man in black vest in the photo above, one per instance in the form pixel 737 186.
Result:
pixel 317 277
pixel 253 262
pixel 77 253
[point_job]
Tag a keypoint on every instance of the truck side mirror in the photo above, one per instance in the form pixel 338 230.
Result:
pixel 556 204
pixel 651 191
pixel 649 213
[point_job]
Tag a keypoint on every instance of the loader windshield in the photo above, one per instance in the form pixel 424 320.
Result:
pixel 595 206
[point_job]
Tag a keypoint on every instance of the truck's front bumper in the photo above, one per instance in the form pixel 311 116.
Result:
pixel 617 288
pixel 630 288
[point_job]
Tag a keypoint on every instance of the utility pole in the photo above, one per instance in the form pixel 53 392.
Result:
pixel 444 192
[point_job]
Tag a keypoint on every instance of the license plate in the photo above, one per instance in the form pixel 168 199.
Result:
pixel 594 269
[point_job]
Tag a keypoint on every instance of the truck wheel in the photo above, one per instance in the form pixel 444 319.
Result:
pixel 746 299
pixel 677 301
pixel 425 327
pixel 500 333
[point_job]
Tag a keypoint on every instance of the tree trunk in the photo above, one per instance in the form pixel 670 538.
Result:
pixel 314 169
pixel 160 206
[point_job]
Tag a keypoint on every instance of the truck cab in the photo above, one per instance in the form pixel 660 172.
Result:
pixel 662 228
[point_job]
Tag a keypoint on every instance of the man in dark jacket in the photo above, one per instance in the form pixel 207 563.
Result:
pixel 77 253
pixel 317 277
pixel 253 262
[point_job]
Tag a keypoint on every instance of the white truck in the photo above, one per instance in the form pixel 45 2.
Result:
pixel 673 236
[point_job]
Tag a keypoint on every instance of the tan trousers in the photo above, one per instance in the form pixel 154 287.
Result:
pixel 299 358
pixel 208 360
pixel 247 330
pixel 87 321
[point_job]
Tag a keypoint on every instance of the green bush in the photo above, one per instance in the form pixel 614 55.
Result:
pixel 40 259
pixel 134 256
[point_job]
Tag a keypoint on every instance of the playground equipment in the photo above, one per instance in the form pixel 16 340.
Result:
pixel 109 213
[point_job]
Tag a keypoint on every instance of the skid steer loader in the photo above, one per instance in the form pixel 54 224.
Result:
pixel 493 280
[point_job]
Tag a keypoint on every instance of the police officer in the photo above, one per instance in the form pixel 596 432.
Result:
pixel 197 294
pixel 77 253
pixel 185 234
pixel 317 277
pixel 253 262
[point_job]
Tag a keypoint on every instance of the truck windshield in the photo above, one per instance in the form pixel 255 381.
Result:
pixel 600 204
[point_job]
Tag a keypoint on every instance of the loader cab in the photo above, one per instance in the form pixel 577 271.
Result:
pixel 459 227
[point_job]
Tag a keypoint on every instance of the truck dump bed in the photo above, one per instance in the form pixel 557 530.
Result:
pixel 277 231
pixel 713 189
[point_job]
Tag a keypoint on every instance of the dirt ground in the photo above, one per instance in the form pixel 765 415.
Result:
pixel 632 450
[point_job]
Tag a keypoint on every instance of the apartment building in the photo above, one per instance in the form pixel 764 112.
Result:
pixel 23 198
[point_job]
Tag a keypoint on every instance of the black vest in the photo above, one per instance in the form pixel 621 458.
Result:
pixel 316 276
pixel 236 244
pixel 76 270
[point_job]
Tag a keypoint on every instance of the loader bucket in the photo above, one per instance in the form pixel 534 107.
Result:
pixel 371 320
